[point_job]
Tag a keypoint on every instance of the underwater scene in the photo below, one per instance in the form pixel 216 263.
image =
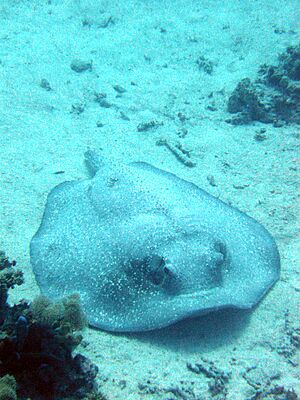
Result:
pixel 149 200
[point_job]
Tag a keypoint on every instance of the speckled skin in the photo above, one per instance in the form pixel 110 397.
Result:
pixel 145 248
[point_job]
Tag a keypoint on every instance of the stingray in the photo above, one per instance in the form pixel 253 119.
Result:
pixel 145 248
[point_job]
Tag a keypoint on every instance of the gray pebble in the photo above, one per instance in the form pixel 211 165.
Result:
pixel 119 89
pixel 81 66
pixel 45 84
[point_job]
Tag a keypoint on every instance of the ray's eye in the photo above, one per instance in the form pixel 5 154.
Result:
pixel 156 277
pixel 156 269
pixel 152 268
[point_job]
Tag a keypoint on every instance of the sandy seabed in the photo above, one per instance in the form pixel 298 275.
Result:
pixel 151 48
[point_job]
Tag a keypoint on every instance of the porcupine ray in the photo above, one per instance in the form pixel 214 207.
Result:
pixel 145 248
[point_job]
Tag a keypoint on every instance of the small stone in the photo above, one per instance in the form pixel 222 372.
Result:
pixel 146 126
pixel 212 107
pixel 87 22
pixel 211 180
pixel 241 186
pixel 45 84
pixel 260 135
pixel 182 132
pixel 106 21
pixel 81 66
pixel 206 65
pixel 77 108
pixel 104 103
pixel 122 384
pixel 182 117
pixel 124 116
pixel 119 89
pixel 100 98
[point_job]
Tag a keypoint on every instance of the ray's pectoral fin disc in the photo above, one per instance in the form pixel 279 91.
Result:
pixel 145 248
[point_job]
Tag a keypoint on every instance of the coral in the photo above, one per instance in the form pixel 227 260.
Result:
pixel 47 312
pixel 39 308
pixel 8 388
pixel 247 100
pixel 274 97
pixel 73 314
pixel 37 343
pixel 218 378
pixel 177 149
pixel 290 340
pixel 9 278
pixel 66 314
pixel 43 365
pixel 275 393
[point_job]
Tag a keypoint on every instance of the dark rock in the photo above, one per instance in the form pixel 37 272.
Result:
pixel 247 100
pixel 275 95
